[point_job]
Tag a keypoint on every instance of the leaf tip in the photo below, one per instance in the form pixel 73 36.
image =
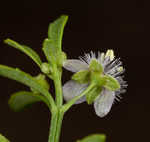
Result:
pixel 6 40
pixel 64 16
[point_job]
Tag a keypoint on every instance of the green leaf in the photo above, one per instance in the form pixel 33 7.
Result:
pixel 50 51
pixel 82 76
pixel 25 49
pixel 94 138
pixel 22 99
pixel 3 139
pixel 53 55
pixel 92 94
pixel 111 84
pixel 52 45
pixel 42 81
pixel 55 30
pixel 96 66
pixel 27 79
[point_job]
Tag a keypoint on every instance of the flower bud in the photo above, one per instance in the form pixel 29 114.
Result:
pixel 45 68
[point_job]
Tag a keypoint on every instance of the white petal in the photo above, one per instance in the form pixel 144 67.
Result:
pixel 75 65
pixel 72 89
pixel 103 102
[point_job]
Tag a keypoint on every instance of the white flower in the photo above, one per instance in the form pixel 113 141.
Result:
pixel 111 66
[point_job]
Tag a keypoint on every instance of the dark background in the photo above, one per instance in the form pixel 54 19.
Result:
pixel 93 25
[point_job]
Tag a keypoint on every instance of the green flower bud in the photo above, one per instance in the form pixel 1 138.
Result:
pixel 95 66
pixel 45 68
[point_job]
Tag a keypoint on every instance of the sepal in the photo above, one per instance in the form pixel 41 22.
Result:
pixel 81 76
pixel 111 84
pixel 98 79
pixel 95 66
pixel 92 94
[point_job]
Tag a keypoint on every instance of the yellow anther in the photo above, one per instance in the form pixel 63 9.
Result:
pixel 120 69
pixel 110 54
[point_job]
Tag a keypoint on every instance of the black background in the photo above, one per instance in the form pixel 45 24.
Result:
pixel 93 25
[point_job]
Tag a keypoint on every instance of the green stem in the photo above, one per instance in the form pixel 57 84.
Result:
pixel 59 124
pixel 55 126
pixel 57 114
pixel 58 86
pixel 51 101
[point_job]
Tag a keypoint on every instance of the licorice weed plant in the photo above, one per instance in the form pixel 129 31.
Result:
pixel 97 80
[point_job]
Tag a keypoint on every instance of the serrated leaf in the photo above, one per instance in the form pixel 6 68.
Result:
pixel 82 76
pixel 3 139
pixel 25 49
pixel 111 84
pixel 24 78
pixel 94 138
pixel 22 99
pixel 55 30
pixel 92 94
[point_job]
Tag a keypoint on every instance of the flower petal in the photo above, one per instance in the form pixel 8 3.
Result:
pixel 72 89
pixel 103 102
pixel 75 65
